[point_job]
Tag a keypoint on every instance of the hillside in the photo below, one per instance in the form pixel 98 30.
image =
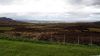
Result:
pixel 80 33
pixel 10 21
pixel 4 21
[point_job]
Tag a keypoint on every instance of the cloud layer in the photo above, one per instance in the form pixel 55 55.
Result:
pixel 6 2
pixel 62 10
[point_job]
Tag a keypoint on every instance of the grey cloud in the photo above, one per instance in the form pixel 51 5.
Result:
pixel 15 16
pixel 85 2
pixel 6 2
pixel 96 13
pixel 96 2
pixel 75 2
pixel 68 17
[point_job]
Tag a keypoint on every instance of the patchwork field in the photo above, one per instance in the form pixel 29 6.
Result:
pixel 62 32
pixel 48 39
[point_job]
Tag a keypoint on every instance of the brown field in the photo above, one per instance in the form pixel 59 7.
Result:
pixel 61 32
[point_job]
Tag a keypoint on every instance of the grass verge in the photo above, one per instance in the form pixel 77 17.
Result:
pixel 17 48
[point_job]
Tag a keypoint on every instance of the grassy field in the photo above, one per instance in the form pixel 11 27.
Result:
pixel 6 28
pixel 17 48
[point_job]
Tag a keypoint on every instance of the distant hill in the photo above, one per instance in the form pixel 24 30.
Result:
pixel 5 19
pixel 9 21
pixel 98 23
pixel 42 21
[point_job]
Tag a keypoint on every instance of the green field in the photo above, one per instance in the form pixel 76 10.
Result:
pixel 17 48
pixel 6 28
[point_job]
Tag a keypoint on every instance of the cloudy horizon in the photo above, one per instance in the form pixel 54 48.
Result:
pixel 51 10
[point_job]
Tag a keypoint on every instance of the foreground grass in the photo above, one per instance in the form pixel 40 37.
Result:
pixel 17 48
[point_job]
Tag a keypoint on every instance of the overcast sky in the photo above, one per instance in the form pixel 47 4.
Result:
pixel 61 10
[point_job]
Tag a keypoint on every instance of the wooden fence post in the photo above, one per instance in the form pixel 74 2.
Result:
pixel 51 37
pixel 91 41
pixel 78 40
pixel 64 39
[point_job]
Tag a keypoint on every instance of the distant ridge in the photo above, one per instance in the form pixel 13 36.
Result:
pixel 5 19
pixel 9 21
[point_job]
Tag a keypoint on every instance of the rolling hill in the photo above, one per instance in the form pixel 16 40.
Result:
pixel 5 19
pixel 10 22
pixel 55 31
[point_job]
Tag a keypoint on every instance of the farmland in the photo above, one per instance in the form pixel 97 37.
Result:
pixel 49 39
pixel 76 33
pixel 6 28
pixel 62 32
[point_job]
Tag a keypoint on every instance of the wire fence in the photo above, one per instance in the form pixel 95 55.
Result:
pixel 87 38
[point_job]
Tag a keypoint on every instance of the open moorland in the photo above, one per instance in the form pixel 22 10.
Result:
pixel 49 39
pixel 79 33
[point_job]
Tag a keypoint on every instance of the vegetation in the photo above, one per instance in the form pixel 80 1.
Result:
pixel 67 33
pixel 16 48
pixel 51 39
pixel 95 29
pixel 6 28
pixel 81 33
